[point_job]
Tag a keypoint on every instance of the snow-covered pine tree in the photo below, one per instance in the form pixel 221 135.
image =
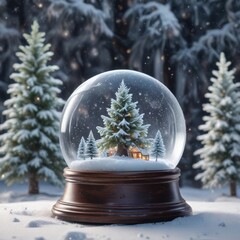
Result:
pixel 124 126
pixel 29 145
pixel 81 153
pixel 158 147
pixel 91 146
pixel 153 28
pixel 220 154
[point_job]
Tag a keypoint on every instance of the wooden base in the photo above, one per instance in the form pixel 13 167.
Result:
pixel 121 197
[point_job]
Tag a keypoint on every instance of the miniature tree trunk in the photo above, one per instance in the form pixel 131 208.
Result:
pixel 33 184
pixel 121 150
pixel 233 188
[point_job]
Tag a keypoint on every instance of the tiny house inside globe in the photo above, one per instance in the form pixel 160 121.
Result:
pixel 122 120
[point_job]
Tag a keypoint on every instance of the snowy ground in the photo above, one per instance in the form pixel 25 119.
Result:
pixel 216 216
pixel 117 163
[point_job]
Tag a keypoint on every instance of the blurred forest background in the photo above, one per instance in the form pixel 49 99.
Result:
pixel 177 42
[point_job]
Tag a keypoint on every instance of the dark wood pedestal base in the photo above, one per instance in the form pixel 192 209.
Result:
pixel 121 197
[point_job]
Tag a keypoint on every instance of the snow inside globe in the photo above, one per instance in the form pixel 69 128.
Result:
pixel 122 120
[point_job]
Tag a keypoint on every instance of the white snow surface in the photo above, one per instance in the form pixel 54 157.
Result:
pixel 215 217
pixel 116 163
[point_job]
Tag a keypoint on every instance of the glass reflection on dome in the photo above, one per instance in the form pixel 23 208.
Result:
pixel 122 120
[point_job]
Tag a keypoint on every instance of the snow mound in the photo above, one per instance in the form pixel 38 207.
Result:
pixel 119 164
pixel 39 238
pixel 75 236
pixel 16 220
pixel 38 223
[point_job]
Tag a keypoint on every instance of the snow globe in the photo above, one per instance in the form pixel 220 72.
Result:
pixel 122 135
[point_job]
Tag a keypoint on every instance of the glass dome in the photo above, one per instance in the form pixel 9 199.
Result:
pixel 122 120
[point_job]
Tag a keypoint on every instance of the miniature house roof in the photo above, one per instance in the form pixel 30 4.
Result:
pixel 138 149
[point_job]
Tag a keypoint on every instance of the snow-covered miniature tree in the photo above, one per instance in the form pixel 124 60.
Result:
pixel 91 146
pixel 81 153
pixel 29 145
pixel 158 147
pixel 220 154
pixel 124 126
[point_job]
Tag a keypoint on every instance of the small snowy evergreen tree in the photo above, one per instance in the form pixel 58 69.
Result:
pixel 158 147
pixel 29 145
pixel 124 126
pixel 91 146
pixel 81 153
pixel 220 154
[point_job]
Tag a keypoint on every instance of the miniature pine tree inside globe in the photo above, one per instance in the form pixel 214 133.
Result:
pixel 122 135
pixel 124 126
